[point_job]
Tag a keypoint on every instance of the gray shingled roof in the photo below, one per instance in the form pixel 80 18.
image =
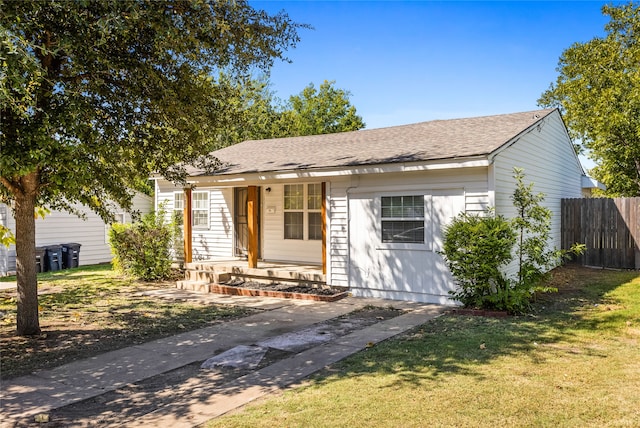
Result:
pixel 434 140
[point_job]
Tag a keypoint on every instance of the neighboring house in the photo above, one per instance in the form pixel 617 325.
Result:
pixel 369 206
pixel 61 227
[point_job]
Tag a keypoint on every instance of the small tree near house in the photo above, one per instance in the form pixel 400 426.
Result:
pixel 477 248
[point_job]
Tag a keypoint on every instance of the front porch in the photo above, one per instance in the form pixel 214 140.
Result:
pixel 200 275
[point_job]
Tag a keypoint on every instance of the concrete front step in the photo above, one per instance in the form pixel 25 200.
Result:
pixel 206 276
pixel 269 274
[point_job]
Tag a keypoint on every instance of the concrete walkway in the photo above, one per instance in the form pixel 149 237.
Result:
pixel 46 390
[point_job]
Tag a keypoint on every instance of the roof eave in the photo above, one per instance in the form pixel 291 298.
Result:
pixel 315 173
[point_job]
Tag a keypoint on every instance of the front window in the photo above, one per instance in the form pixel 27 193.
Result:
pixel 402 219
pixel 200 209
pixel 178 205
pixel 303 211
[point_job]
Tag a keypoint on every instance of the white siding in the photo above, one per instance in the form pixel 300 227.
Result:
pixel 412 272
pixel 216 240
pixel 547 157
pixel 338 233
pixel 60 227
pixel 274 246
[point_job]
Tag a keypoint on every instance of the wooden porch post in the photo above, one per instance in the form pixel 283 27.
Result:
pixel 323 215
pixel 252 222
pixel 187 225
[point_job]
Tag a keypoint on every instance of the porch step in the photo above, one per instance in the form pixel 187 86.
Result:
pixel 207 276
pixel 220 273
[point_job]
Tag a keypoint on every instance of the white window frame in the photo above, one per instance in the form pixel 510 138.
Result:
pixel 426 221
pixel 305 210
pixel 201 206
pixel 179 201
pixel 178 204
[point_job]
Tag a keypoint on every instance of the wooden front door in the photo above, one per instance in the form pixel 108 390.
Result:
pixel 241 222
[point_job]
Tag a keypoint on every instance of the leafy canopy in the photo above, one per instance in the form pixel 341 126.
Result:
pixel 325 110
pixel 598 92
pixel 258 114
pixel 96 95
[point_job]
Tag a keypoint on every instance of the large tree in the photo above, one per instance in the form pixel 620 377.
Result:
pixel 325 110
pixel 598 92
pixel 259 114
pixel 96 95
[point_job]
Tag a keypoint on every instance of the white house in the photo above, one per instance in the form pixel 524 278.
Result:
pixel 369 206
pixel 59 227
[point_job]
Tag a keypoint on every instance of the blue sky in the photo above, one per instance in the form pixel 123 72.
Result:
pixel 413 61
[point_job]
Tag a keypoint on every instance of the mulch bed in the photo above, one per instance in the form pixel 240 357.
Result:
pixel 286 291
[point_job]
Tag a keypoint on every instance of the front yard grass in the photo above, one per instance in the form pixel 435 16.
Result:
pixel 89 310
pixel 572 363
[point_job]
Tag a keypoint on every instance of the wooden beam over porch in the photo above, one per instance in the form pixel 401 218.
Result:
pixel 252 223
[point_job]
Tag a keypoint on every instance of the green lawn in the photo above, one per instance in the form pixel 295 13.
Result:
pixel 575 362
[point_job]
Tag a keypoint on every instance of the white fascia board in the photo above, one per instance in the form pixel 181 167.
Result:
pixel 592 183
pixel 259 178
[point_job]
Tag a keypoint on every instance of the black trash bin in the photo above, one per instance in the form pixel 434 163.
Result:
pixel 70 255
pixel 53 258
pixel 40 264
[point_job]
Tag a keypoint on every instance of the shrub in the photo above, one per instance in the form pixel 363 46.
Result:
pixel 475 249
pixel 143 249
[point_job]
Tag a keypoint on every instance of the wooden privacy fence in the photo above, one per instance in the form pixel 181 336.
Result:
pixel 608 227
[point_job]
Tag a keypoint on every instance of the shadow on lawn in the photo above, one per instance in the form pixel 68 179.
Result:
pixel 458 344
pixel 115 326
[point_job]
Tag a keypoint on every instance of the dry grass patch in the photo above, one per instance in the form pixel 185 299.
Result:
pixel 573 362
pixel 90 310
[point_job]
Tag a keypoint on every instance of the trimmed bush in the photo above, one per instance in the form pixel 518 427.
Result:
pixel 143 249
pixel 475 249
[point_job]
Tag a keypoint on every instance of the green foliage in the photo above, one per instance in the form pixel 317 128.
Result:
pixel 533 226
pixel 476 248
pixel 96 96
pixel 325 110
pixel 598 91
pixel 256 113
pixel 6 236
pixel 143 249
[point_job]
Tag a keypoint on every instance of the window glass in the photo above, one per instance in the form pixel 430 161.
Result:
pixel 314 197
pixel 315 225
pixel 200 209
pixel 293 225
pixel 178 206
pixel 402 219
pixel 303 211
pixel 294 196
pixel 178 201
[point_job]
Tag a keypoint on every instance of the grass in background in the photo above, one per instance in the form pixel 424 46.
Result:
pixel 89 310
pixel 574 362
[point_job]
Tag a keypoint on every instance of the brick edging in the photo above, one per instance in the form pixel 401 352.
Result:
pixel 239 291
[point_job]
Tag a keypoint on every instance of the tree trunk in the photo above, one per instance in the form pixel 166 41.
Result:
pixel 27 317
